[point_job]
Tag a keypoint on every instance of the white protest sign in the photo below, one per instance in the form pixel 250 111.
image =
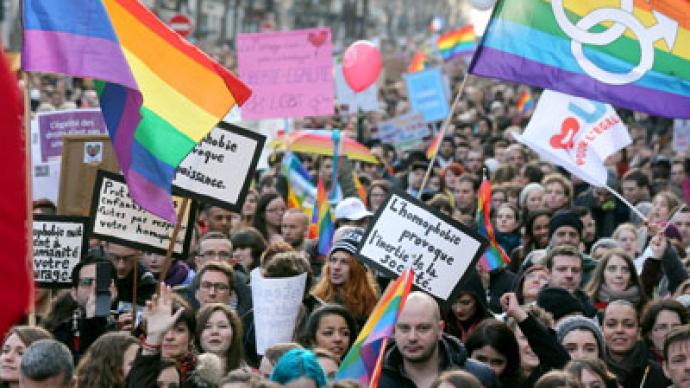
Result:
pixel 46 180
pixel 115 217
pixel 405 131
pixel 276 303
pixel 220 168
pixel 681 135
pixel 405 232
pixel 58 244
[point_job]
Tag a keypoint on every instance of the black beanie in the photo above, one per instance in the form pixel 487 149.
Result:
pixel 565 218
pixel 559 302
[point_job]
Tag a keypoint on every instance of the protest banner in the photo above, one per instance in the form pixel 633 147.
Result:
pixel 220 168
pixel 53 126
pixel 405 232
pixel 405 131
pixel 82 157
pixel 681 135
pixel 426 92
pixel 290 73
pixel 351 102
pixel 276 303
pixel 115 217
pixel 58 245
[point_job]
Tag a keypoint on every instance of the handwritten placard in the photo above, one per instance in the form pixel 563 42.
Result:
pixel 58 245
pixel 115 217
pixel 276 303
pixel 405 232
pixel 427 94
pixel 53 126
pixel 405 131
pixel 220 168
pixel 290 73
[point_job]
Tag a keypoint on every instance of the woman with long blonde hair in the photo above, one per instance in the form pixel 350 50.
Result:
pixel 615 278
pixel 345 281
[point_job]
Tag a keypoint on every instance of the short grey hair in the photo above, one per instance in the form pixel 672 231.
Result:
pixel 47 358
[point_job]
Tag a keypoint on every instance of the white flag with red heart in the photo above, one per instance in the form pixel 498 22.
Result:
pixel 576 133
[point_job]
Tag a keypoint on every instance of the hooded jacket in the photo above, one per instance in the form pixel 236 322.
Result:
pixel 452 355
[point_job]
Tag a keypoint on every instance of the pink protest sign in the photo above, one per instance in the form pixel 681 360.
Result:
pixel 290 73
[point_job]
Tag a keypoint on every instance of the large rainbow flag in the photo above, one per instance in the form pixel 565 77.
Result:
pixel 362 362
pixel 495 256
pixel 634 54
pixel 160 95
pixel 457 43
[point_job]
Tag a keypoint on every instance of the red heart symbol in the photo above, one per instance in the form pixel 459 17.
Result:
pixel 566 138
pixel 317 39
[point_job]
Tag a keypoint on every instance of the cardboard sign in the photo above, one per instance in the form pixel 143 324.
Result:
pixel 276 303
pixel 290 73
pixel 351 102
pixel 53 126
pixel 220 168
pixel 427 94
pixel 115 217
pixel 406 232
pixel 681 135
pixel 58 245
pixel 405 131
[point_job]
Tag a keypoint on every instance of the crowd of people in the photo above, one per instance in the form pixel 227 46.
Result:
pixel 593 296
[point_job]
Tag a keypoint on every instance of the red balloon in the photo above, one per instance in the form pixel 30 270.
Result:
pixel 361 65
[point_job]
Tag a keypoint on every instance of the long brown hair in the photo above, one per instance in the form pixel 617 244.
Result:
pixel 359 294
pixel 101 366
pixel 235 354
pixel 597 278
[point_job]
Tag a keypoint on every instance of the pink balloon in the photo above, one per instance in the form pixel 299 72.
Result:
pixel 361 65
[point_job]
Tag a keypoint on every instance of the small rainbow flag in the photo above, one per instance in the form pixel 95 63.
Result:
pixel 525 103
pixel 362 362
pixel 323 218
pixel 160 95
pixel 360 188
pixel 300 187
pixel 418 62
pixel 434 146
pixel 533 42
pixel 457 43
pixel 495 256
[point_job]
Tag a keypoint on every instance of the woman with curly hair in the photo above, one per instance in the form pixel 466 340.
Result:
pixel 345 281
pixel 108 361
pixel 219 331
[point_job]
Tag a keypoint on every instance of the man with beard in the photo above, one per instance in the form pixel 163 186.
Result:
pixel 422 352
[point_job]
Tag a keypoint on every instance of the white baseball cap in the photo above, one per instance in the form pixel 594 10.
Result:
pixel 351 208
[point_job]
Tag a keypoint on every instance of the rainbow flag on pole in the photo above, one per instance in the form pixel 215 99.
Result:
pixel 633 54
pixel 300 188
pixel 525 103
pixel 495 256
pixel 418 62
pixel 363 361
pixel 323 218
pixel 434 146
pixel 457 43
pixel 160 95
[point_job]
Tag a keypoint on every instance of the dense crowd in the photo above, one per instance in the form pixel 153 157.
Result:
pixel 593 295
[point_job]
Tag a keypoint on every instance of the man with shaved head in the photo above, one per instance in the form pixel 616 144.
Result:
pixel 294 230
pixel 422 351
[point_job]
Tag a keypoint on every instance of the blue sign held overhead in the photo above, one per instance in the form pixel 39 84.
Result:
pixel 427 94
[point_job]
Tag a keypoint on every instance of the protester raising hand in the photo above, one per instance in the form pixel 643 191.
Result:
pixel 658 244
pixel 511 306
pixel 159 318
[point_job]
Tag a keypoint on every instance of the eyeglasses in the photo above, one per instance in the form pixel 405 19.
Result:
pixel 86 282
pixel 212 254
pixel 216 286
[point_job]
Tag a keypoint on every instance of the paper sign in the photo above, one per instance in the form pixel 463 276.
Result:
pixel 53 126
pixel 681 135
pixel 290 73
pixel 405 131
pixel 406 232
pixel 276 303
pixel 351 102
pixel 58 245
pixel 115 217
pixel 46 180
pixel 426 94
pixel 221 167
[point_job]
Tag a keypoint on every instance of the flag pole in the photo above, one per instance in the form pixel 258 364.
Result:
pixel 173 239
pixel 443 129
pixel 626 202
pixel 29 192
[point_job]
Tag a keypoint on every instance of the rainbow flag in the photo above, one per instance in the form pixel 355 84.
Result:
pixel 457 43
pixel 324 220
pixel 525 103
pixel 360 188
pixel 160 95
pixel 300 188
pixel 495 256
pixel 642 62
pixel 362 362
pixel 418 62
pixel 434 146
